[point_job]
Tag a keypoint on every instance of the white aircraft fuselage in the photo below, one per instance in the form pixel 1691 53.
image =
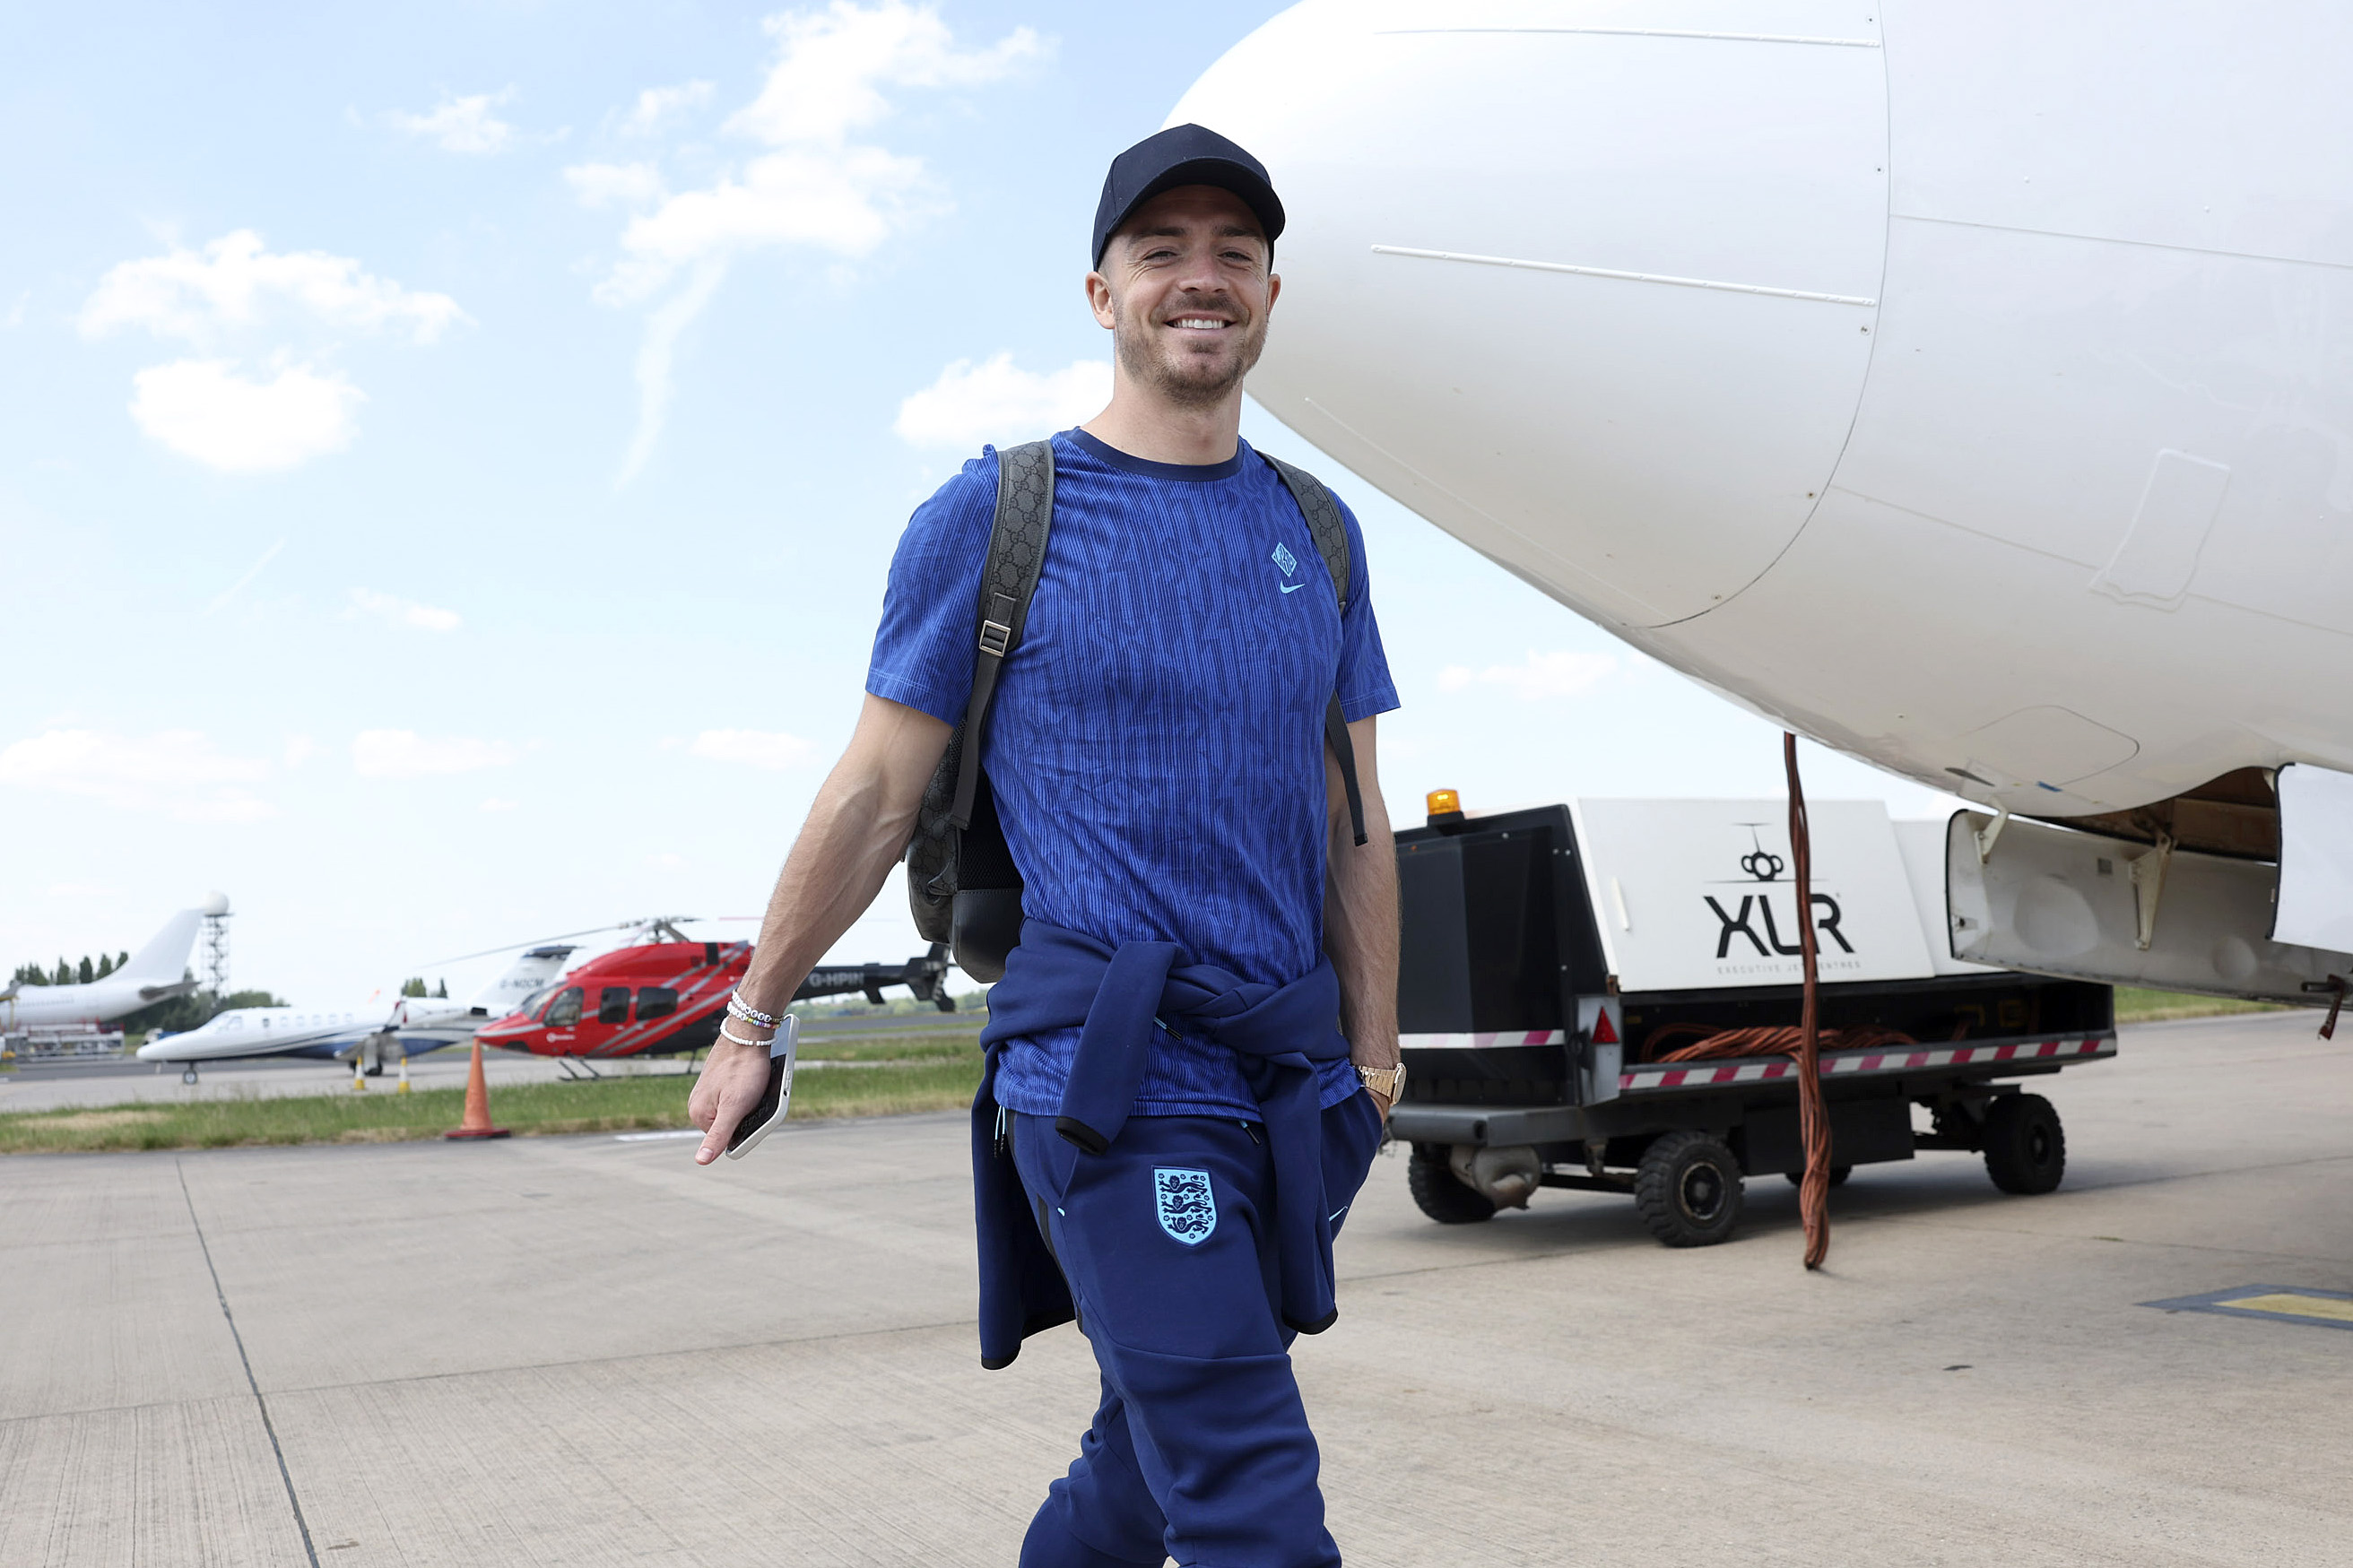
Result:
pixel 270 1032
pixel 407 1026
pixel 1968 387
pixel 154 972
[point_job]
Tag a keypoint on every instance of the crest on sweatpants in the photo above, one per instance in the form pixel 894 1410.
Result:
pixel 1188 1208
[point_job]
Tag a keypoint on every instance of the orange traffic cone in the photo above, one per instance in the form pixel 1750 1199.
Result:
pixel 478 1105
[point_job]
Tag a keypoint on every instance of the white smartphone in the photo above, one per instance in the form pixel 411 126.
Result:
pixel 782 1052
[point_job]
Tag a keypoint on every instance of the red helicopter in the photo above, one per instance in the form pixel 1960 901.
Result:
pixel 665 996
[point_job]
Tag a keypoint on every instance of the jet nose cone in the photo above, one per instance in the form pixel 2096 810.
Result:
pixel 1593 289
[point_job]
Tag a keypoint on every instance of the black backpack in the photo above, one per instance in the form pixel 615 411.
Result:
pixel 962 883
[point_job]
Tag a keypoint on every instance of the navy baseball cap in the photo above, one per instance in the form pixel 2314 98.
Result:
pixel 1183 156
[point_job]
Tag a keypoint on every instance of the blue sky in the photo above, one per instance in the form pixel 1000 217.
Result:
pixel 450 455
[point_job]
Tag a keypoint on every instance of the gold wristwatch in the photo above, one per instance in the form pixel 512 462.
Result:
pixel 1387 1082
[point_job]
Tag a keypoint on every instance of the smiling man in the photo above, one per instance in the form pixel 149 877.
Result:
pixel 1195 1041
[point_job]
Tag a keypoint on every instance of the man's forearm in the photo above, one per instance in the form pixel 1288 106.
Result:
pixel 1360 915
pixel 1363 943
pixel 856 830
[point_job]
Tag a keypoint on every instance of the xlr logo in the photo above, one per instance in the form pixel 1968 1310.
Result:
pixel 1760 864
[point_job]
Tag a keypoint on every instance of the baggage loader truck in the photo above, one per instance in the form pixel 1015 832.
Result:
pixel 1585 991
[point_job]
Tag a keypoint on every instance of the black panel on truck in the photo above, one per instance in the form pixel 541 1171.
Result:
pixel 1498 933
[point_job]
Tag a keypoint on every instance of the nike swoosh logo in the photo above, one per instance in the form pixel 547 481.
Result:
pixel 1293 588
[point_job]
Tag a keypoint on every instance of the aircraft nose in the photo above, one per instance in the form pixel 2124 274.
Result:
pixel 1591 288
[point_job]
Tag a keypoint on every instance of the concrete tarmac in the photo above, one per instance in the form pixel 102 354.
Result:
pixel 583 1351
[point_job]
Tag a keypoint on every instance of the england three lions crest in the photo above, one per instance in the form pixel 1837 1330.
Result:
pixel 1188 1208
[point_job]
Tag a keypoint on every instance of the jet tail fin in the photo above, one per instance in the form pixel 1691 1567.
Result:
pixel 535 969
pixel 165 956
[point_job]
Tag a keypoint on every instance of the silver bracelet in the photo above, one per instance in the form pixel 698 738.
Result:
pixel 738 1008
pixel 727 1033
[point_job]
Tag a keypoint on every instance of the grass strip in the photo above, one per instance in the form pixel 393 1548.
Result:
pixel 939 1045
pixel 2139 1005
pixel 634 1104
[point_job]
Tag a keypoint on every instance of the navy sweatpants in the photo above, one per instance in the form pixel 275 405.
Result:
pixel 1201 1449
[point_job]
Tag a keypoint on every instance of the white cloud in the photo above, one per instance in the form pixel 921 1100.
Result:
pixel 759 748
pixel 655 357
pixel 178 773
pixel 495 804
pixel 231 284
pixel 656 106
pixel 833 64
pixel 211 411
pixel 461 124
pixel 845 200
pixel 397 612
pixel 615 184
pixel 995 401
pixel 406 754
pixel 812 189
pixel 300 749
pixel 1540 677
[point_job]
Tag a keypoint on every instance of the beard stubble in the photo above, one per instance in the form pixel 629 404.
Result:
pixel 1193 384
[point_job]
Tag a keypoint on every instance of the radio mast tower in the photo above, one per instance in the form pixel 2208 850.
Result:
pixel 215 946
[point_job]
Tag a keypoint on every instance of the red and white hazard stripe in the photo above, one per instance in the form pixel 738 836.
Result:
pixel 1845 1064
pixel 1481 1042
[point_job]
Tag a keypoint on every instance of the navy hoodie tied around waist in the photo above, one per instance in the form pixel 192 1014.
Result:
pixel 1058 979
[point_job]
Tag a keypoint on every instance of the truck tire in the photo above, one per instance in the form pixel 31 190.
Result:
pixel 2025 1148
pixel 1839 1174
pixel 1438 1194
pixel 1688 1188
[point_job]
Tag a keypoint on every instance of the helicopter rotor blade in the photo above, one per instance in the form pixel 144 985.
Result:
pixel 543 942
pixel 648 922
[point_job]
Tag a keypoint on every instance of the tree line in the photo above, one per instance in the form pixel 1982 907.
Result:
pixel 175 1014
pixel 88 969
pixel 65 973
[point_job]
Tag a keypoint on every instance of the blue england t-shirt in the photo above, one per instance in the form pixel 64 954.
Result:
pixel 1157 742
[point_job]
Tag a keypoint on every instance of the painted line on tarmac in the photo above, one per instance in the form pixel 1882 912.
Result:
pixel 2281 1303
pixel 236 1337
pixel 649 1137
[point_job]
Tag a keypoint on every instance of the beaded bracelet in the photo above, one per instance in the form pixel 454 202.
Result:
pixel 738 1008
pixel 727 1033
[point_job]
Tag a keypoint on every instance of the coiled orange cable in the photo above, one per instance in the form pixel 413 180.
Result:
pixel 1713 1043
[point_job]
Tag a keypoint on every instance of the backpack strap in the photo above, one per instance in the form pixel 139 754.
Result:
pixel 1323 521
pixel 1017 554
pixel 1330 531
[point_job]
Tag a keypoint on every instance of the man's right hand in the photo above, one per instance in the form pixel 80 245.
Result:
pixel 856 831
pixel 734 1078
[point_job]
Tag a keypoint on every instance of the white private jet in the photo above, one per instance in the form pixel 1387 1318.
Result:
pixel 408 1027
pixel 154 972
pixel 1968 387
